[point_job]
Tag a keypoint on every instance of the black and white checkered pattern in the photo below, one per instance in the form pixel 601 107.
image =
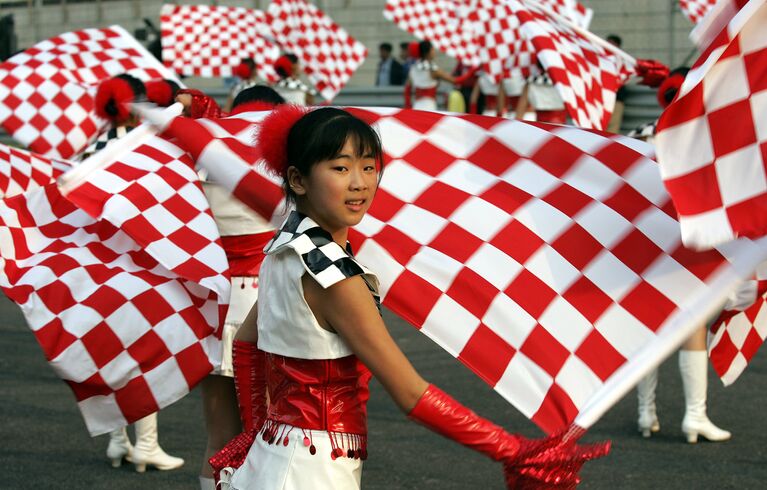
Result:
pixel 294 84
pixel 643 131
pixel 325 260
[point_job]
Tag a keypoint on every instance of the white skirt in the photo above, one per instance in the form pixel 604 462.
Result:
pixel 293 467
pixel 425 104
pixel 240 304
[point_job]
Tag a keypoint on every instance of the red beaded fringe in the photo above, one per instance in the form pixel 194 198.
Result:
pixel 343 444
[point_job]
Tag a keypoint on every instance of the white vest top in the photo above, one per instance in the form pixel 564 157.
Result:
pixel 286 324
pixel 420 74
pixel 543 95
pixel 486 84
pixel 293 90
pixel 232 216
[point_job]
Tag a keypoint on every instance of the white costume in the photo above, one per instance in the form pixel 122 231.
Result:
pixel 425 85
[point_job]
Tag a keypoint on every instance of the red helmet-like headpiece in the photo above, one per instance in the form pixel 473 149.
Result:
pixel 284 64
pixel 161 92
pixel 112 99
pixel 669 89
pixel 272 135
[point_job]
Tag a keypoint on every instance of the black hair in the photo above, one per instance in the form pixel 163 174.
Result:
pixel 139 91
pixel 386 47
pixel 249 62
pixel 258 93
pixel 423 48
pixel 321 135
pixel 615 39
pixel 293 59
pixel 404 45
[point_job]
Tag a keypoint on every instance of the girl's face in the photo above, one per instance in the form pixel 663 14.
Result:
pixel 337 192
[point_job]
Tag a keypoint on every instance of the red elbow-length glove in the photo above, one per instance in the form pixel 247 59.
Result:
pixel 550 462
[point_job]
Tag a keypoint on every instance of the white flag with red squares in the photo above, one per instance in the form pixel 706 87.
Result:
pixel 22 171
pixel 547 259
pixel 741 329
pixel 711 140
pixel 328 54
pixel 695 10
pixel 211 40
pixel 127 335
pixel 587 75
pixel 440 21
pixel 47 92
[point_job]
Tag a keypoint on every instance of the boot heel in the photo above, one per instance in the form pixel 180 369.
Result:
pixel 692 437
pixel 117 462
pixel 140 467
pixel 646 432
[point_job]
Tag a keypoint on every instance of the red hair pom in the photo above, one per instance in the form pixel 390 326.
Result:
pixel 112 98
pixel 674 82
pixel 284 64
pixel 242 71
pixel 272 135
pixel 160 92
pixel 413 50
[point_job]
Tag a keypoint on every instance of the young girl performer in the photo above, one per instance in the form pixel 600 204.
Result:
pixel 424 76
pixel 318 326
pixel 495 97
pixel 290 87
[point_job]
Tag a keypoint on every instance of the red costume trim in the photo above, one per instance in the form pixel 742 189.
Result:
pixel 245 252
pixel 554 117
pixel 422 93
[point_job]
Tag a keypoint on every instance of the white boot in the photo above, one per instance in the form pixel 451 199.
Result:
pixel 647 422
pixel 207 483
pixel 693 366
pixel 119 447
pixel 147 451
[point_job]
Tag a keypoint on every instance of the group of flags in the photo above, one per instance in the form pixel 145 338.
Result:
pixel 558 263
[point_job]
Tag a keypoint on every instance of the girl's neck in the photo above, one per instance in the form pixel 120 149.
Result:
pixel 339 235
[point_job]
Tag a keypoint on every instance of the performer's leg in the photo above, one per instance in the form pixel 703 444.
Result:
pixel 119 447
pixel 693 367
pixel 648 418
pixel 148 451
pixel 222 417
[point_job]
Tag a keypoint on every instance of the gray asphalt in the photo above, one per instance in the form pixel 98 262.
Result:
pixel 44 444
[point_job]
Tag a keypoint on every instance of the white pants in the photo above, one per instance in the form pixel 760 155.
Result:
pixel 293 467
pixel 240 304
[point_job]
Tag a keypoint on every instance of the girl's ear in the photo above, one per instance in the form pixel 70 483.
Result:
pixel 296 181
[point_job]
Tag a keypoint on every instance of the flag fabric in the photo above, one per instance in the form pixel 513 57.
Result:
pixel 211 40
pixel 502 46
pixel 545 258
pixel 711 140
pixel 22 171
pixel 586 74
pixel 125 333
pixel 47 92
pixel 328 54
pixel 438 21
pixel 571 9
pixel 741 329
pixel 695 10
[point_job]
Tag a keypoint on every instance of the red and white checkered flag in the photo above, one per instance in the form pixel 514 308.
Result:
pixel 128 335
pixel 695 10
pixel 502 46
pixel 585 71
pixel 711 139
pixel 47 92
pixel 328 54
pixel 211 40
pixel 443 22
pixel 741 328
pixel 22 171
pixel 545 258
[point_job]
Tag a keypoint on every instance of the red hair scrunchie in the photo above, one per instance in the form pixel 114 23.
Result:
pixel 112 99
pixel 674 82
